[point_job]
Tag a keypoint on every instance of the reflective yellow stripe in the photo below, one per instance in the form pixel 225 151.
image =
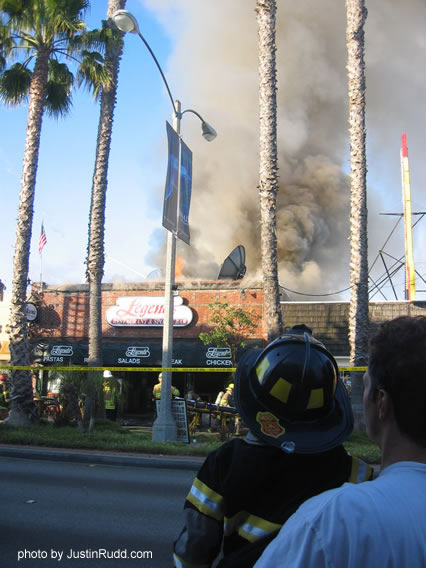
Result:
pixel 354 471
pixel 360 471
pixel 281 390
pixel 179 563
pixel 365 472
pixel 206 500
pixel 231 524
pixel 256 527
pixel 249 526
pixel 261 369
pixel 316 400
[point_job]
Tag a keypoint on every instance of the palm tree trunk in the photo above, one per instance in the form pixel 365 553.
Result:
pixel 358 308
pixel 268 168
pixel 95 249
pixel 22 409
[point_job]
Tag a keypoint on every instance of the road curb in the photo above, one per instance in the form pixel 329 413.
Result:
pixel 104 458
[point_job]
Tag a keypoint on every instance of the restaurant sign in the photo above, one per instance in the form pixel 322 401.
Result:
pixel 218 357
pixel 146 311
pixel 57 353
pixel 134 355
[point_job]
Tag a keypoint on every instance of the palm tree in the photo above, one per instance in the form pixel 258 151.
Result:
pixel 95 247
pixel 268 168
pixel 44 32
pixel 358 309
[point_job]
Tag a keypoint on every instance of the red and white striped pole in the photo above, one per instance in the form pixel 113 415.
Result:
pixel 410 276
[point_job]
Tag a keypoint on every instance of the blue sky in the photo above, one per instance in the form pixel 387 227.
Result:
pixel 213 68
pixel 136 172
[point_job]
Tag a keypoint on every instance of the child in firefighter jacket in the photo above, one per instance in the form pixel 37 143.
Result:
pixel 298 414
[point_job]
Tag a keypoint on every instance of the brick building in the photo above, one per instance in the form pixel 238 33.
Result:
pixel 132 318
pixel 132 330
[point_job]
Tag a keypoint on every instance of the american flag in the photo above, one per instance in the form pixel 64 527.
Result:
pixel 42 241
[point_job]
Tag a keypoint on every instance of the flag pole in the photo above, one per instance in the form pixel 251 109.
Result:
pixel 41 271
pixel 42 241
pixel 40 250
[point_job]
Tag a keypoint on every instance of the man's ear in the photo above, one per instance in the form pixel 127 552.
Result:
pixel 384 404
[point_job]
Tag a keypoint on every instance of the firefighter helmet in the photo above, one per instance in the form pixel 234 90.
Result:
pixel 289 394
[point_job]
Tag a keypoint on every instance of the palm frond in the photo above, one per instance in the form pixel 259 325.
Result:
pixel 58 100
pixel 29 42
pixel 7 42
pixel 92 73
pixel 65 16
pixel 19 13
pixel 59 89
pixel 60 73
pixel 15 8
pixel 14 84
pixel 102 38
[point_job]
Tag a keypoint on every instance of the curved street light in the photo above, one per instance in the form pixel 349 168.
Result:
pixel 127 23
pixel 164 427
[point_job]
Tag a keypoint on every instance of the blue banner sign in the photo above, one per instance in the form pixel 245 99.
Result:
pixel 178 189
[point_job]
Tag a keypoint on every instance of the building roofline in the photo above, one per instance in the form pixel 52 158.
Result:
pixel 347 302
pixel 159 285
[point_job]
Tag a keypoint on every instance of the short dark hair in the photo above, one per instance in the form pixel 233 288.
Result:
pixel 397 364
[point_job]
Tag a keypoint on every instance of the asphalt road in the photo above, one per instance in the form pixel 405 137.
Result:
pixel 53 510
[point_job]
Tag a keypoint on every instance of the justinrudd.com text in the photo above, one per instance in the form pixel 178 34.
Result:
pixel 88 553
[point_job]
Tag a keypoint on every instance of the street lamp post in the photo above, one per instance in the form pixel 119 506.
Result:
pixel 164 427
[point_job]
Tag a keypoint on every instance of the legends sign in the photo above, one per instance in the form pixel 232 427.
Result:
pixel 147 354
pixel 58 354
pixel 219 357
pixel 146 311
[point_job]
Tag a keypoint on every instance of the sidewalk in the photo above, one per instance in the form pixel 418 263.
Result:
pixel 101 457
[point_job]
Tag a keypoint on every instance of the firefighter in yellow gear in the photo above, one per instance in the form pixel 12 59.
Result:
pixel 227 399
pixel 110 397
pixel 156 391
pixel 4 396
pixel 232 423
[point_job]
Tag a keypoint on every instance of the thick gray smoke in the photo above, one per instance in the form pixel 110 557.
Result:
pixel 214 68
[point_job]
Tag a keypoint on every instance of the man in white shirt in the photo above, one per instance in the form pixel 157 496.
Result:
pixel 381 523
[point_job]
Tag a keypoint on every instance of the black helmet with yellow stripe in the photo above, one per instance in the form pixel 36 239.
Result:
pixel 290 396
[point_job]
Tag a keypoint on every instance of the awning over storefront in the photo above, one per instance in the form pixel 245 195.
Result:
pixel 133 354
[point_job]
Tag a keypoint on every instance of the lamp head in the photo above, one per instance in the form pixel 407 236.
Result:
pixel 209 133
pixel 125 22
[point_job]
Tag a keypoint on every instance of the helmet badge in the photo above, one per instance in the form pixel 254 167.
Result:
pixel 269 424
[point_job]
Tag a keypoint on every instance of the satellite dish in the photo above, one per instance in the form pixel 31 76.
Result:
pixel 233 267
pixel 154 275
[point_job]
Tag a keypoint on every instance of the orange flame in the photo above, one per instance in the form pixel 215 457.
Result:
pixel 179 265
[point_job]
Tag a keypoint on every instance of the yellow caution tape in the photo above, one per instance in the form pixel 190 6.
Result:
pixel 149 369
pixel 139 369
